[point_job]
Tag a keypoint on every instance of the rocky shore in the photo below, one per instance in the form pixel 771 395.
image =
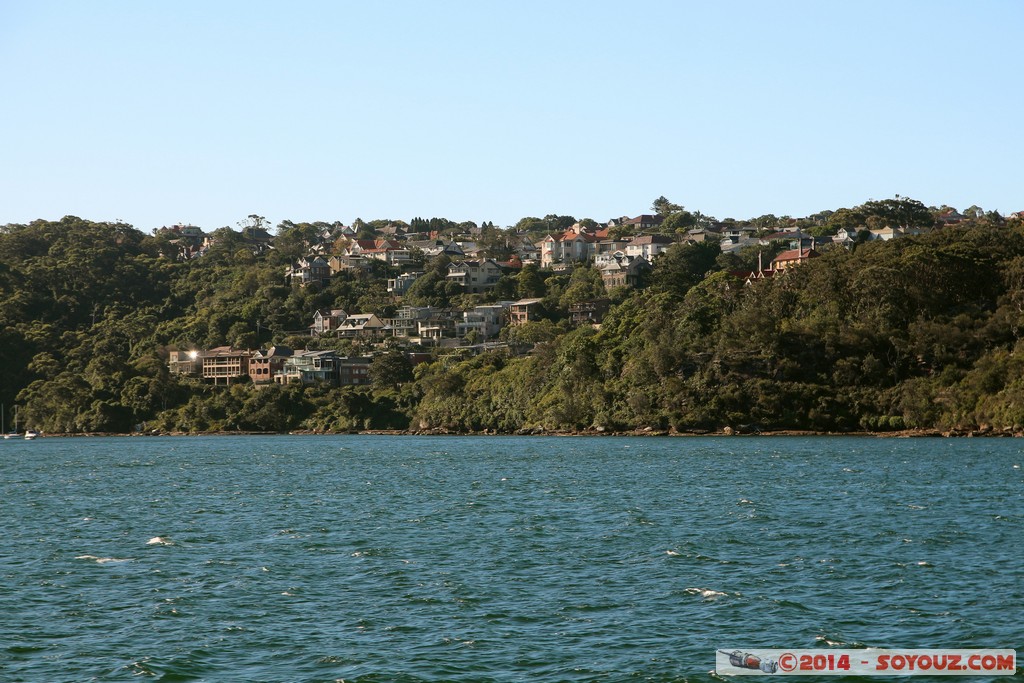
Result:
pixel 596 432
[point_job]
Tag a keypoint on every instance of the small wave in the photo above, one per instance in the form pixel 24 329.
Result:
pixel 922 563
pixel 836 642
pixel 744 501
pixel 672 553
pixel 159 540
pixel 707 558
pixel 706 593
pixel 792 603
pixel 103 560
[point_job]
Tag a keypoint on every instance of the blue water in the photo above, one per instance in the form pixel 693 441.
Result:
pixel 372 558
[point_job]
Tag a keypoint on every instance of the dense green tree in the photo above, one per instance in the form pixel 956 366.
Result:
pixel 684 265
pixel 390 370
pixel 678 222
pixel 585 284
pixel 663 207
pixel 530 282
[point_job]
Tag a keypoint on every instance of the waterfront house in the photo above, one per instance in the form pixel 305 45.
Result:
pixel 224 365
pixel 265 364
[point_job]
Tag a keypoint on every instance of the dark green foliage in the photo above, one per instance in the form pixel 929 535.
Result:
pixel 920 332
pixel 390 370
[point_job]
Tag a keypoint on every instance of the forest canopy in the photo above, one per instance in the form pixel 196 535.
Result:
pixel 919 332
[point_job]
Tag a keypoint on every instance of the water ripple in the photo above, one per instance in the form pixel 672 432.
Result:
pixel 380 559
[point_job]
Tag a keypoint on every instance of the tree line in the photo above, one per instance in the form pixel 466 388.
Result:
pixel 919 332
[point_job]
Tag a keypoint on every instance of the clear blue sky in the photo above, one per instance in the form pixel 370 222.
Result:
pixel 205 112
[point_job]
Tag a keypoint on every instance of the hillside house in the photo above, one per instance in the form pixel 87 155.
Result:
pixel 353 371
pixel 438 325
pixel 623 271
pixel 567 247
pixel 224 365
pixel 341 263
pixel 486 321
pixel 642 223
pixel 184 363
pixel 398 286
pixel 265 364
pixel 475 277
pixel 524 311
pixel 648 247
pixel 309 367
pixel 309 270
pixel 326 321
pixel 793 258
pixel 360 326
pixel 589 312
pixel 405 324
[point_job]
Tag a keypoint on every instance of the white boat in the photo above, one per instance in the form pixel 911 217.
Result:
pixel 29 434
pixel 9 435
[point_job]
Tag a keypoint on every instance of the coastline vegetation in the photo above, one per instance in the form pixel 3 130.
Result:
pixel 920 332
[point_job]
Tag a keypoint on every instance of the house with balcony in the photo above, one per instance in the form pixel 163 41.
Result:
pixel 185 363
pixel 266 364
pixel 524 311
pixel 224 365
pixel 361 326
pixel 437 326
pixel 326 321
pixel 432 248
pixel 568 247
pixel 390 251
pixel 405 324
pixel 398 286
pixel 620 270
pixel 648 247
pixel 342 263
pixel 589 312
pixel 309 270
pixel 353 371
pixel 309 367
pixel 486 321
pixel 475 277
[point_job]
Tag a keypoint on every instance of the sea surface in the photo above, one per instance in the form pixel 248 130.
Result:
pixel 407 559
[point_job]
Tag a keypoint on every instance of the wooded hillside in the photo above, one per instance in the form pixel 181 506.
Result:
pixel 916 332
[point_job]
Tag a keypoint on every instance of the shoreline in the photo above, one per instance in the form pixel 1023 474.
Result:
pixel 646 432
